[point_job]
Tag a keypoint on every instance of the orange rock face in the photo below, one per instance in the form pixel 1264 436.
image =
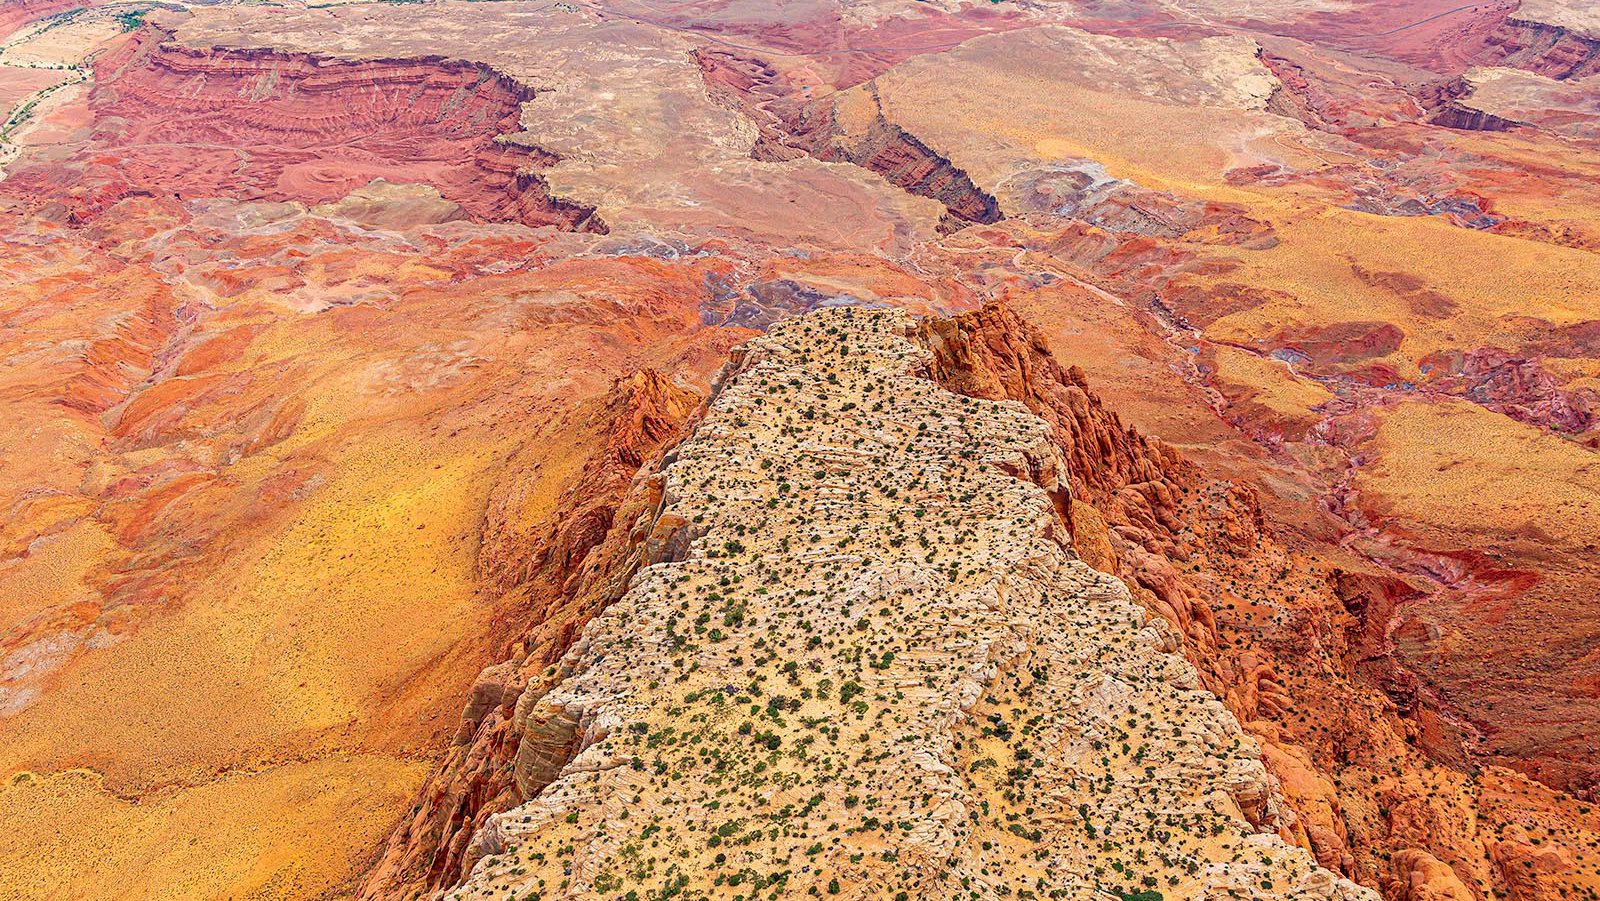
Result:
pixel 561 572
pixel 1135 485
pixel 1282 635
pixel 191 483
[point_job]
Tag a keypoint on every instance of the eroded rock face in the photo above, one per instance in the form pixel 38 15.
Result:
pixel 1132 483
pixel 879 668
pixel 322 450
pixel 1320 687
pixel 1545 48
pixel 177 121
pixel 850 130
pixel 507 747
pixel 1419 876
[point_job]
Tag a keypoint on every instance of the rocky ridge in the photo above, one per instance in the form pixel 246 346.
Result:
pixel 566 570
pixel 864 660
pixel 217 389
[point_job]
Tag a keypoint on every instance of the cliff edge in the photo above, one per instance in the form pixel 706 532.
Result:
pixel 863 660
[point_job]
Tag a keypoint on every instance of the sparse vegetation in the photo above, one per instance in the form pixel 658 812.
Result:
pixel 822 689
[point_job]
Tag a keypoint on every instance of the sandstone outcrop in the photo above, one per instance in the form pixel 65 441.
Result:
pixel 853 130
pixel 1198 552
pixel 876 668
pixel 1545 48
pixel 563 571
pixel 1419 876
pixel 1134 483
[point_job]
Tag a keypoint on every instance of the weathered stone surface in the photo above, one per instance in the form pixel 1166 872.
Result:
pixel 880 668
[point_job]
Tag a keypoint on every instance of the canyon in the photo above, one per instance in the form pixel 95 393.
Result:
pixel 1137 450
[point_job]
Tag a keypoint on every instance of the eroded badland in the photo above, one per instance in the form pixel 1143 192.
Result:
pixel 654 449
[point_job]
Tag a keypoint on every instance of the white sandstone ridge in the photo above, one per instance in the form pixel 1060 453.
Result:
pixel 869 667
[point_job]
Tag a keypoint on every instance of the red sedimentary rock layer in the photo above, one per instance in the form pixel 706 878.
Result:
pixel 1298 96
pixel 1317 681
pixel 791 127
pixel 1467 119
pixel 1513 384
pixel 1539 47
pixel 1330 97
pixel 907 163
pixel 1443 99
pixel 785 119
pixel 173 121
pixel 578 563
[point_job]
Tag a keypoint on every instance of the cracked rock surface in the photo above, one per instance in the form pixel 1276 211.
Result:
pixel 873 668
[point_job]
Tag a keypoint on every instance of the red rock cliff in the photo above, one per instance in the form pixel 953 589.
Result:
pixel 1367 776
pixel 565 570
pixel 175 121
